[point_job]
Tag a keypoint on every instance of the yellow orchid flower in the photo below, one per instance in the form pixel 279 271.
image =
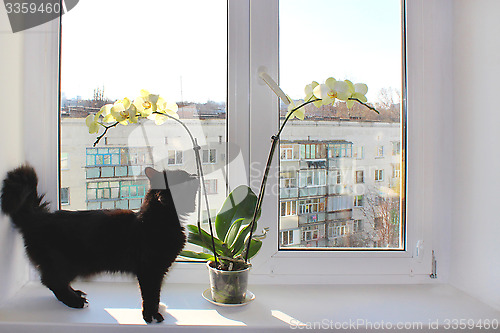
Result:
pixel 164 107
pixel 105 112
pixel 357 91
pixel 326 91
pixel 309 91
pixel 299 113
pixel 122 111
pixel 331 90
pixel 92 124
pixel 147 103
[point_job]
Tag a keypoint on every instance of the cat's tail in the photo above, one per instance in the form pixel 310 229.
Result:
pixel 19 195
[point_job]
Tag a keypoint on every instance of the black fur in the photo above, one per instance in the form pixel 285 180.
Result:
pixel 67 244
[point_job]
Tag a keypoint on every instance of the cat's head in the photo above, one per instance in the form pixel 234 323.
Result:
pixel 182 185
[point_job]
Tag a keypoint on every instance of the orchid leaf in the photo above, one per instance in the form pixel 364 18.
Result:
pixel 239 204
pixel 204 240
pixel 233 231
pixel 239 243
pixel 197 255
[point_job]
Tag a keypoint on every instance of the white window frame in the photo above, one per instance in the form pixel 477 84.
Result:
pixel 290 207
pixel 253 47
pixel 318 175
pixel 68 201
pixel 336 177
pixel 208 153
pixel 396 170
pixel 379 152
pixel 358 200
pixel 285 153
pixel 65 159
pixel 358 152
pixel 356 181
pixel 176 162
pixel 211 186
pixel 379 175
pixel 288 233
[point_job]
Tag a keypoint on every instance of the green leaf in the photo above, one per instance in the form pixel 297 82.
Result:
pixel 233 232
pixel 240 203
pixel 205 240
pixel 197 255
pixel 255 246
pixel 239 243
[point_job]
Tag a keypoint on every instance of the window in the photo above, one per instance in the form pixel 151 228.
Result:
pixel 337 229
pixel 358 152
pixel 175 157
pixel 360 177
pixel 338 150
pixel 336 177
pixel 64 161
pixel 358 201
pixel 116 194
pixel 64 195
pixel 209 156
pixel 287 180
pixel 129 189
pixel 357 225
pixel 310 233
pixel 103 156
pixel 286 237
pixel 289 152
pixel 379 152
pixel 312 151
pixel 396 147
pixel 312 205
pixel 289 208
pixel 379 175
pixel 113 170
pixel 254 156
pixel 211 186
pixel 396 170
pixel 312 178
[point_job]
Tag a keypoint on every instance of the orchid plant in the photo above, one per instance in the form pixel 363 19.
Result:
pixel 236 221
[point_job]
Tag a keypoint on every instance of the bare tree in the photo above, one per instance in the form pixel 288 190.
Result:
pixel 382 212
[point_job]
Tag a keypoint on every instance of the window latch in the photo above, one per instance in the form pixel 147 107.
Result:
pixel 433 274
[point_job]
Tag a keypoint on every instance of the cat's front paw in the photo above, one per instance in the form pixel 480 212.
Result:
pixel 76 300
pixel 150 317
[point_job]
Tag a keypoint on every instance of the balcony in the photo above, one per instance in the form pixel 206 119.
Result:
pixel 312 164
pixel 289 192
pixel 310 191
pixel 312 218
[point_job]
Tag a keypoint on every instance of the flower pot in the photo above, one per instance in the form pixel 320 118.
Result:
pixel 228 287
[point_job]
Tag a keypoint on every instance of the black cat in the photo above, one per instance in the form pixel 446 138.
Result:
pixel 64 245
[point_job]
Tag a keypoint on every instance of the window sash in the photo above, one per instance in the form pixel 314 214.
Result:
pixel 255 23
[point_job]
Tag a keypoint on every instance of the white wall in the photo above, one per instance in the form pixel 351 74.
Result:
pixel 13 272
pixel 475 253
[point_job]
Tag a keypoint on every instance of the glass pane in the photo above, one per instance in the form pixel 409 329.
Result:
pixel 111 50
pixel 345 198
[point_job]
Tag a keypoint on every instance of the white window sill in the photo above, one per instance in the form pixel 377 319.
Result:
pixel 116 307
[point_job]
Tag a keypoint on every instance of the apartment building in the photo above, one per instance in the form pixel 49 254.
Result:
pixel 334 175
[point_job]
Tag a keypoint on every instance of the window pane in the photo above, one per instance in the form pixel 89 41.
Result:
pixel 345 199
pixel 111 50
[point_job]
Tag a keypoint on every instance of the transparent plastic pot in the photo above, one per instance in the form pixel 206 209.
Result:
pixel 228 287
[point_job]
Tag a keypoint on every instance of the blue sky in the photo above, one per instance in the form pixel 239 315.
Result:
pixel 358 40
pixel 129 45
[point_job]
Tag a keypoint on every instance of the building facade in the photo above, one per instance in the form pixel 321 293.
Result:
pixel 339 180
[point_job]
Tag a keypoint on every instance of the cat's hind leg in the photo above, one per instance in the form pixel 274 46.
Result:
pixel 150 282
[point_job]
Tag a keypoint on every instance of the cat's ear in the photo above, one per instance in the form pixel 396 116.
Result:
pixel 151 173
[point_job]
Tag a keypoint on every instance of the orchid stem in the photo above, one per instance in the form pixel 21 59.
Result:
pixel 106 128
